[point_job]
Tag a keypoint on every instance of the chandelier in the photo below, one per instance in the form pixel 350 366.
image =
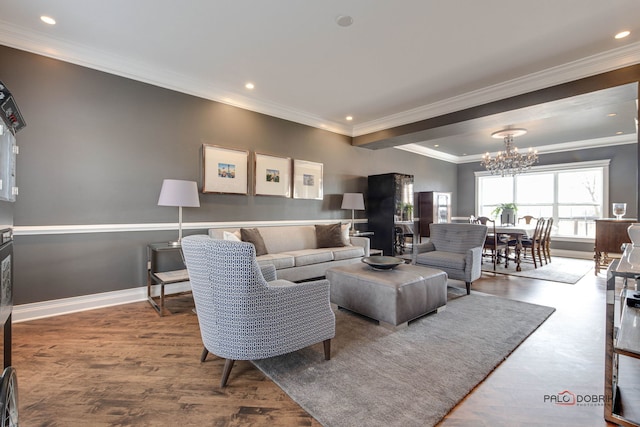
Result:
pixel 509 161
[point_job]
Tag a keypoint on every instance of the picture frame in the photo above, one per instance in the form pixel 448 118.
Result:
pixel 225 170
pixel 307 180
pixel 272 175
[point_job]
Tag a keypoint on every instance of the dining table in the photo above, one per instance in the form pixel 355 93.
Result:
pixel 518 232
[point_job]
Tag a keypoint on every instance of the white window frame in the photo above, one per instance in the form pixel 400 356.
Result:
pixel 562 167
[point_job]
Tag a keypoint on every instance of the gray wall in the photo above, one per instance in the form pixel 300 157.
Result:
pixel 95 151
pixel 623 187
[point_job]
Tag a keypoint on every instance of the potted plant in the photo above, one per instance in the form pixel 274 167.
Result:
pixel 507 212
pixel 406 211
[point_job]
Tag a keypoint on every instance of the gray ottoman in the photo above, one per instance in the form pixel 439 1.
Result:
pixel 393 296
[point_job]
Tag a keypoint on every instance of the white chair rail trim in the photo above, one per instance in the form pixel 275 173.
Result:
pixel 36 230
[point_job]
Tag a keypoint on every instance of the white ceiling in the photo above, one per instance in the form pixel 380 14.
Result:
pixel 399 62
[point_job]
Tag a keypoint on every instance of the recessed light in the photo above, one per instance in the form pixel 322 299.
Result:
pixel 436 145
pixel 48 20
pixel 249 86
pixel 349 118
pixel 344 20
pixel 619 133
pixel 611 114
pixel 622 34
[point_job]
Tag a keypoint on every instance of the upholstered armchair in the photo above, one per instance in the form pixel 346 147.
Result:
pixel 455 249
pixel 244 312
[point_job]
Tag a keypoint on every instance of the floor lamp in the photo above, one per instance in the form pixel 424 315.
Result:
pixel 176 192
pixel 353 201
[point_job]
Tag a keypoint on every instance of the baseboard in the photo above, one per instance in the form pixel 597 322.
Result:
pixel 40 310
pixel 571 254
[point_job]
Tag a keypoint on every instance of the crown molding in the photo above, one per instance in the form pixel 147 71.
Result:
pixel 545 149
pixel 429 152
pixel 46 45
pixel 585 67
pixel 56 48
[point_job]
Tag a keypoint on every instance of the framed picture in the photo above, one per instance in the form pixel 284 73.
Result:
pixel 272 175
pixel 307 180
pixel 225 170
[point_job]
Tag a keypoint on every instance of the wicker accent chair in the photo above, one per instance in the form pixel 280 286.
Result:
pixel 244 312
pixel 455 249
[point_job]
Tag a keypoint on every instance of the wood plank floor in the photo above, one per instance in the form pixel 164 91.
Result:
pixel 125 366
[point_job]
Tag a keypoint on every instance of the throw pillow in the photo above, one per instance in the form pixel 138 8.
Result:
pixel 329 236
pixel 346 239
pixel 230 236
pixel 252 235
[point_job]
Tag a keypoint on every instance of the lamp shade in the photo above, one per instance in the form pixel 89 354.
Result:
pixel 353 201
pixel 176 192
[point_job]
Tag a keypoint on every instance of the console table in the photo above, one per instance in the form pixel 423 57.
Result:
pixel 610 235
pixel 165 265
pixel 623 340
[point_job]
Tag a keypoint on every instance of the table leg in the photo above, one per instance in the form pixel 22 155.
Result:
pixel 518 251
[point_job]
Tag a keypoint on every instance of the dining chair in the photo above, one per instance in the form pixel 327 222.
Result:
pixel 527 219
pixel 546 240
pixel 482 220
pixel 495 242
pixel 534 243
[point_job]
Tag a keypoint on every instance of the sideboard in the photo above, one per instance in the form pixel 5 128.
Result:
pixel 610 235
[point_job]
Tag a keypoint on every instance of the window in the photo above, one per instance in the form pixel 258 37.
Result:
pixel 573 194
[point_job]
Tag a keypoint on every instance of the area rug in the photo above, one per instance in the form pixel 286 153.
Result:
pixel 409 377
pixel 563 270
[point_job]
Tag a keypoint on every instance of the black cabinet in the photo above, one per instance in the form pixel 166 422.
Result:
pixel 433 206
pixel 390 203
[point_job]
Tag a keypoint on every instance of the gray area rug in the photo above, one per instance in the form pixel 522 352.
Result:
pixel 563 270
pixel 410 377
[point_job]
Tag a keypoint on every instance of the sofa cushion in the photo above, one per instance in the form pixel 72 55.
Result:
pixel 442 259
pixel 280 261
pixel 329 236
pixel 252 235
pixel 289 238
pixel 311 256
pixel 347 252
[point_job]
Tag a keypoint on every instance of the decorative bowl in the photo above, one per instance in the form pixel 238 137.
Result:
pixel 382 262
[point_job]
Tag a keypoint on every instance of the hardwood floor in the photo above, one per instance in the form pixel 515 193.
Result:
pixel 124 365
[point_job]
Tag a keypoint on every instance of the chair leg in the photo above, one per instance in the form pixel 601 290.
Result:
pixel 327 349
pixel 539 255
pixel 468 288
pixel 228 364
pixel 204 354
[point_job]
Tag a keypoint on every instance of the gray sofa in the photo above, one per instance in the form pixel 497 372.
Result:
pixel 294 251
pixel 455 249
